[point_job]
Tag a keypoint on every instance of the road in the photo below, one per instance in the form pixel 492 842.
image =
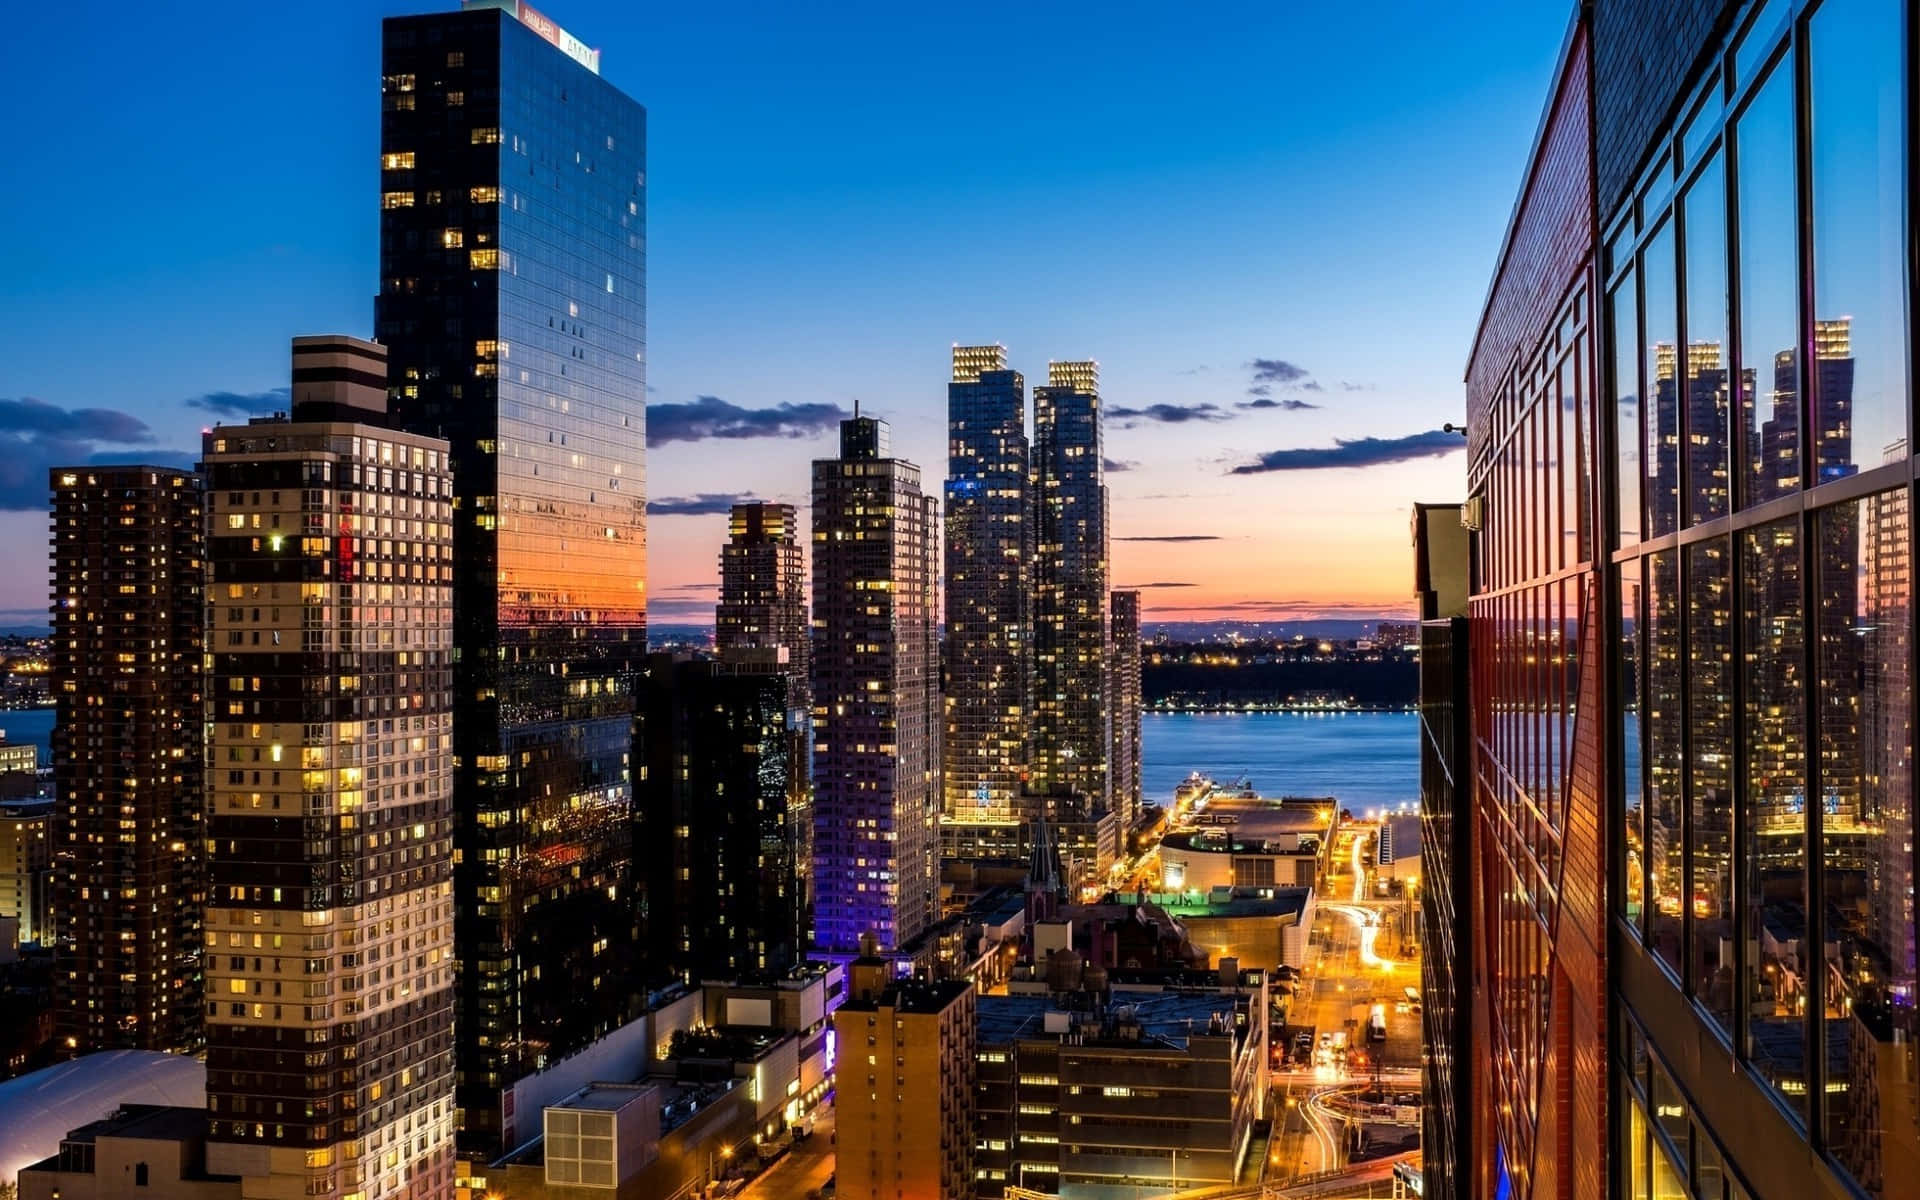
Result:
pixel 802 1170
pixel 1350 969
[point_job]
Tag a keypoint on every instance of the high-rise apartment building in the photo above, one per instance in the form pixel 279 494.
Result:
pixel 876 695
pixel 715 840
pixel 329 919
pixel 129 832
pixel 1123 643
pixel 989 619
pixel 1072 734
pixel 512 303
pixel 763 589
pixel 904 1104
pixel 1688 905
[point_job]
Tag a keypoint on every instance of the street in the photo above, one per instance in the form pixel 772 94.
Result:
pixel 801 1171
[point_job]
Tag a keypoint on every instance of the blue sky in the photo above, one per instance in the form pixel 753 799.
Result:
pixel 837 193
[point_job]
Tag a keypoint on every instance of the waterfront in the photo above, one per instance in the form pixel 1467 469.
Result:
pixel 30 725
pixel 1366 759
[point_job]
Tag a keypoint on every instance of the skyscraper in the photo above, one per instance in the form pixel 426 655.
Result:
pixel 129 833
pixel 763 589
pixel 330 830
pixel 1124 651
pixel 512 303
pixel 989 620
pixel 715 847
pixel 876 695
pixel 1071 729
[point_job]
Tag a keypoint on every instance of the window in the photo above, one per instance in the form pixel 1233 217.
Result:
pixel 1624 331
pixel 484 260
pixel 400 161
pixel 1710 678
pixel 1633 889
pixel 486 137
pixel 484 195
pixel 1660 368
pixel 451 239
pixel 1708 430
pixel 396 200
pixel 1769 283
pixel 1665 842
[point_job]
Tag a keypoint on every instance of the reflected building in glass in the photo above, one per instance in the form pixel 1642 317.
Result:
pixel 1692 902
pixel 512 304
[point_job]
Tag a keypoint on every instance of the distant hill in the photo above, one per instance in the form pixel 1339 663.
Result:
pixel 1338 628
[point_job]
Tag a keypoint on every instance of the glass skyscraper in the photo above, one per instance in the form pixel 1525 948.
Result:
pixel 512 304
pixel 989 615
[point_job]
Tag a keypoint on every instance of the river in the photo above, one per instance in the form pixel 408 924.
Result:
pixel 1364 759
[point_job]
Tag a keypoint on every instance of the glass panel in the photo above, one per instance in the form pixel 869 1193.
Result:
pixel 1571 496
pixel 1631 800
pixel 1669 1110
pixel 1704 123
pixel 1710 725
pixel 1667 1179
pixel 1775 844
pixel 1709 1176
pixel 1637 1151
pixel 1661 339
pixel 1859 255
pixel 1866 782
pixel 1708 434
pixel 1624 325
pixel 1769 283
pixel 1760 38
pixel 1666 874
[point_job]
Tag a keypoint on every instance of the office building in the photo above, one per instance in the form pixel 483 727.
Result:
pixel 512 304
pixel 715 844
pixel 876 695
pixel 26 869
pixel 329 918
pixel 128 826
pixel 1124 671
pixel 1099 1083
pixel 763 590
pixel 989 619
pixel 1689 468
pixel 904 1095
pixel 1072 734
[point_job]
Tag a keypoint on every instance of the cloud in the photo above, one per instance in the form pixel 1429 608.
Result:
pixel 1171 414
pixel 1357 452
pixel 1275 370
pixel 1348 386
pixel 1141 587
pixel 1202 369
pixel 1173 537
pixel 241 405
pixel 712 417
pixel 36 437
pixel 1290 404
pixel 1110 465
pixel 705 504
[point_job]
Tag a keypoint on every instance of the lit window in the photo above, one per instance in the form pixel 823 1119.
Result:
pixel 399 83
pixel 402 161
pixel 456 99
pixel 484 195
pixel 484 260
pixel 489 136
pixel 451 238
pixel 396 200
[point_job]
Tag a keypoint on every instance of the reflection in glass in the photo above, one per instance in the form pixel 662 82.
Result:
pixel 1866 860
pixel 1633 887
pixel 1662 366
pixel 1636 1151
pixel 1760 37
pixel 1709 1174
pixel 1774 908
pixel 1665 846
pixel 1624 323
pixel 1859 381
pixel 1707 430
pixel 1769 283
pixel 1710 770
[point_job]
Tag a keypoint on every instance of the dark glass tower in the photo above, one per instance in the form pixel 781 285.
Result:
pixel 989 700
pixel 129 829
pixel 714 843
pixel 512 303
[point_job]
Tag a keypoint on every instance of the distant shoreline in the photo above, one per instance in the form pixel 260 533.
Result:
pixel 1274 709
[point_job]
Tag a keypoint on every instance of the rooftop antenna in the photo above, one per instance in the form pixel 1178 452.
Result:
pixel 856 408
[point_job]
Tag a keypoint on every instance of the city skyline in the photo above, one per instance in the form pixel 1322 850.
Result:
pixel 1272 231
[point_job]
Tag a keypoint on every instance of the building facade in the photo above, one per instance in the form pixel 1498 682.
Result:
pixel 904 1097
pixel 989 618
pixel 128 828
pixel 763 590
pixel 1071 728
pixel 876 695
pixel 512 302
pixel 26 869
pixel 1689 407
pixel 329 920
pixel 715 845
pixel 1124 656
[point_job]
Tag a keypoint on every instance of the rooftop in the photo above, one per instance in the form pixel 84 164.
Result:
pixel 151 1122
pixel 1168 1019
pixel 1239 902
pixel 914 996
pixel 606 1097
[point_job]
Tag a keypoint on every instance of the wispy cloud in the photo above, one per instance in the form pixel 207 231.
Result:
pixel 1170 414
pixel 36 437
pixel 1141 587
pixel 711 417
pixel 1110 465
pixel 1357 452
pixel 1290 404
pixel 705 504
pixel 1276 370
pixel 241 405
pixel 1172 537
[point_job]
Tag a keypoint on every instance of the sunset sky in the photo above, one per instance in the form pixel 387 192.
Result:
pixel 1276 251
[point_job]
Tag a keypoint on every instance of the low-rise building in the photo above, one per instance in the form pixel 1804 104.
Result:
pixel 1204 859
pixel 1122 1086
pixel 26 869
pixel 1263 927
pixel 138 1150
pixel 905 1102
